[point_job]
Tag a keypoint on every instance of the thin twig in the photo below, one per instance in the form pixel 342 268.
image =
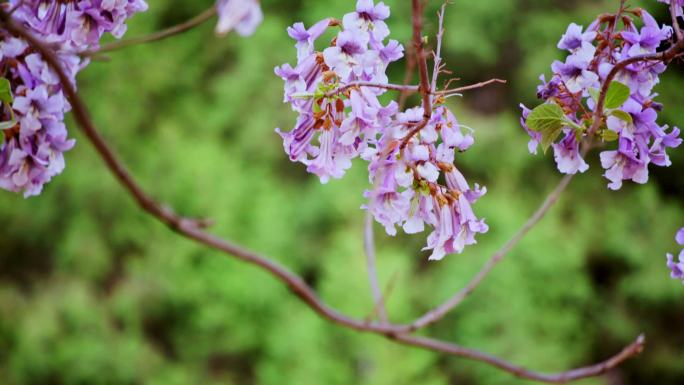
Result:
pixel 675 21
pixel 156 36
pixel 421 58
pixel 369 247
pixel 409 88
pixel 471 87
pixel 438 51
pixel 439 312
pixel 386 86
pixel 408 75
pixel 296 284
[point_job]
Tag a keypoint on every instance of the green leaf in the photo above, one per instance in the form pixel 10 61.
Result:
pixel 594 93
pixel 617 95
pixel 549 136
pixel 6 91
pixel 546 117
pixel 609 135
pixel 622 115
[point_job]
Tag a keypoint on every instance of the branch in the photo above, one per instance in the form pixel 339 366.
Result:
pixel 408 75
pixel 404 88
pixel 369 247
pixel 439 312
pixel 182 226
pixel 470 87
pixel 634 349
pixel 190 229
pixel 421 59
pixel 664 56
pixel 156 36
pixel 386 86
pixel 675 21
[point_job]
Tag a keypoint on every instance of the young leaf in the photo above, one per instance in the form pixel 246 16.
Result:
pixel 609 135
pixel 549 136
pixel 617 95
pixel 6 91
pixel 546 117
pixel 594 93
pixel 622 115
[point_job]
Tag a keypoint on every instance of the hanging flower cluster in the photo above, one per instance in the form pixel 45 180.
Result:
pixel 677 268
pixel 565 120
pixel 242 15
pixel 33 136
pixel 335 93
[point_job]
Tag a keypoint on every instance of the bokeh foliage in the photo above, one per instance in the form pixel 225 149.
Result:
pixel 93 291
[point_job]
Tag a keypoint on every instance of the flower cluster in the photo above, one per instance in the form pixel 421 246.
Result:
pixel 343 123
pixel 33 136
pixel 335 93
pixel 242 15
pixel 677 268
pixel 76 24
pixel 630 112
pixel 407 188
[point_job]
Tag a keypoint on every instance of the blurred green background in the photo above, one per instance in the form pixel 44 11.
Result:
pixel 93 291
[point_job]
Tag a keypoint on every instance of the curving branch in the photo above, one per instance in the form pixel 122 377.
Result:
pixel 440 311
pixel 665 56
pixel 369 247
pixel 633 349
pixel 156 36
pixel 193 230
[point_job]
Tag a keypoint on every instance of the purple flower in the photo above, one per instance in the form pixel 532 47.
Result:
pixel 574 38
pixel 680 236
pixel 77 25
pixel 345 57
pixel 677 268
pixel 306 38
pixel 330 161
pixel 392 52
pixel 648 39
pixel 575 72
pixel 339 121
pixel 623 164
pixel 388 205
pixel 369 18
pixel 244 16
pixel 567 155
pixel 575 82
pixel 31 153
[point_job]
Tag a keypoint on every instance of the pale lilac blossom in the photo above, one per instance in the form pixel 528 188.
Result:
pixel 243 16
